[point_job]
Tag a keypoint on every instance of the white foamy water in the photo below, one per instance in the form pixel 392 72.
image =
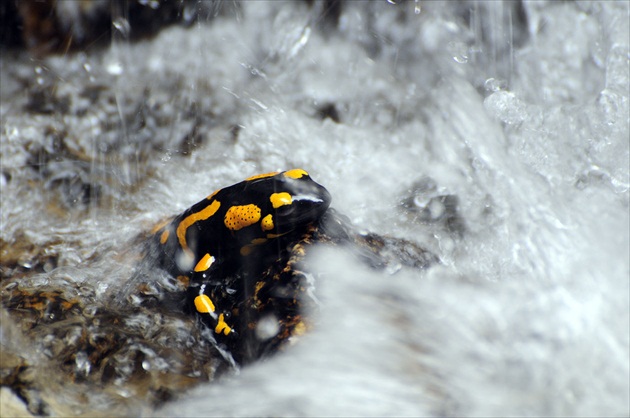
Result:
pixel 528 315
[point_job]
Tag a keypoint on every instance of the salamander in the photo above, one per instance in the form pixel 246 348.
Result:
pixel 228 237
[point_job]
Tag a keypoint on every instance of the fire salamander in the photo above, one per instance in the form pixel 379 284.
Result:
pixel 222 244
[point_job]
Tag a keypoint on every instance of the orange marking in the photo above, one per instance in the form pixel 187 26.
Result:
pixel 262 176
pixel 238 217
pixel 267 223
pixel 280 199
pixel 202 215
pixel 203 304
pixel 296 173
pixel 164 236
pixel 300 329
pixel 222 326
pixel 161 225
pixel 246 250
pixel 259 285
pixel 213 194
pixel 67 304
pixel 184 280
pixel 205 263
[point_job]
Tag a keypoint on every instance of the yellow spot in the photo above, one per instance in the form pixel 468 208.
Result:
pixel 161 225
pixel 296 173
pixel 222 326
pixel 238 217
pixel 259 285
pixel 247 249
pixel 203 304
pixel 267 223
pixel 299 329
pixel 205 263
pixel 280 199
pixel 164 236
pixel 202 215
pixel 262 176
pixel 213 194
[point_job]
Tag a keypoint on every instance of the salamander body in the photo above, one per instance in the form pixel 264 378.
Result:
pixel 225 240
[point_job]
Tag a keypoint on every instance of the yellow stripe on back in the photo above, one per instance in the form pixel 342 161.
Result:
pixel 262 176
pixel 202 215
pixel 296 173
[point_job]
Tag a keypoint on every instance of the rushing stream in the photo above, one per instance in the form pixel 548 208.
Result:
pixel 494 134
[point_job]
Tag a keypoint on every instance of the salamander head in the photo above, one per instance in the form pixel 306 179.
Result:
pixel 290 199
pixel 281 203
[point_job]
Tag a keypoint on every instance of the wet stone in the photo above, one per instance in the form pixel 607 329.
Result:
pixel 429 204
pixel 109 348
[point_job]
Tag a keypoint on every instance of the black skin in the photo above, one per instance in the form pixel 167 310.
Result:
pixel 231 279
pixel 213 237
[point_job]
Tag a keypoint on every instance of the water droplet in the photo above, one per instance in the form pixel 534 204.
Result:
pixel 114 68
pixel 189 13
pixel 301 42
pixel 505 106
pixel 90 311
pixel 420 201
pixel 267 327
pixel 125 393
pixel 102 287
pixel 393 268
pixel 122 25
pixel 259 104
pixel 495 84
pixel 608 102
pixel 417 9
pixel 25 262
pixel 462 59
pixel 82 364
pixel 436 208
pixel 459 51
